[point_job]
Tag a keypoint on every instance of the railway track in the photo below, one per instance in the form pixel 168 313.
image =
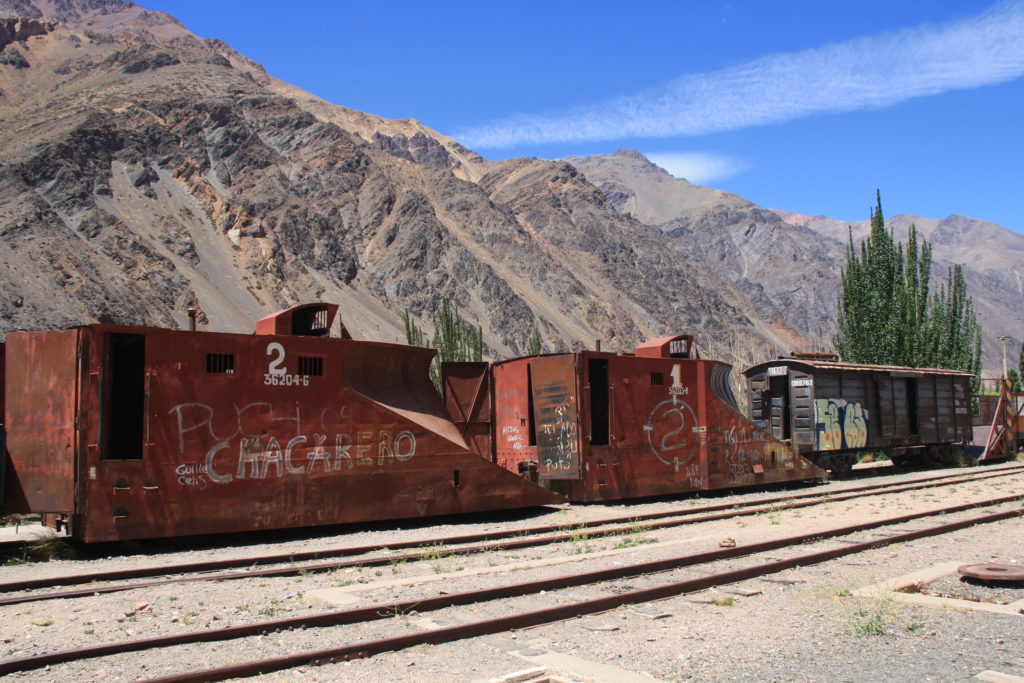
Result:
pixel 478 543
pixel 669 588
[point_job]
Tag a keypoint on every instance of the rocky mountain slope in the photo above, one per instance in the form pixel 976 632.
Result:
pixel 789 282
pixel 789 265
pixel 144 169
pixel 981 246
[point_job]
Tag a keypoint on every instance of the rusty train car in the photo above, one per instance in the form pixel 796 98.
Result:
pixel 598 426
pixel 831 411
pixel 123 432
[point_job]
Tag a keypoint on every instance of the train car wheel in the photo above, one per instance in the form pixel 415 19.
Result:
pixel 838 464
pixel 945 455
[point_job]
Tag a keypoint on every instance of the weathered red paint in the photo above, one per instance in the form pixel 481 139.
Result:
pixel 467 397
pixel 3 365
pixel 603 426
pixel 553 382
pixel 182 433
pixel 40 388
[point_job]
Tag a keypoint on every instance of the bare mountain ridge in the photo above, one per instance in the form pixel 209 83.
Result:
pixel 741 242
pixel 140 173
pixel 788 265
pixel 980 245
pixel 145 167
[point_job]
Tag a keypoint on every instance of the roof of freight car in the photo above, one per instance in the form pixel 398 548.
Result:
pixel 894 370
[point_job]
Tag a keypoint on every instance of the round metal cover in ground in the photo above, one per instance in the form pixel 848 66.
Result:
pixel 1003 573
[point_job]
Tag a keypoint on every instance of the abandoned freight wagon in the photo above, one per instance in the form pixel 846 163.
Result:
pixel 598 426
pixel 830 411
pixel 136 432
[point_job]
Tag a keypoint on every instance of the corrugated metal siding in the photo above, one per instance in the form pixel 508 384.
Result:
pixel 945 410
pixel 758 401
pixel 901 428
pixel 962 418
pixel 801 388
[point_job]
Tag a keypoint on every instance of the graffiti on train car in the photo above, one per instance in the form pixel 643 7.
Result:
pixel 511 435
pixel 743 452
pixel 332 446
pixel 672 431
pixel 559 435
pixel 840 424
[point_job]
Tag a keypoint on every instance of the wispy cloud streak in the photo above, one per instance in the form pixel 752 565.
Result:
pixel 698 167
pixel 865 73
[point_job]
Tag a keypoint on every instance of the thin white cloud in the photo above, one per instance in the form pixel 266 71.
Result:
pixel 866 73
pixel 698 167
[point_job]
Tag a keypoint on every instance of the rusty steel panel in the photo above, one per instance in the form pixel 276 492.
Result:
pixel 648 426
pixel 554 380
pixel 3 427
pixel 41 387
pixel 467 398
pixel 3 393
pixel 310 320
pixel 241 432
pixel 514 431
pixel 364 437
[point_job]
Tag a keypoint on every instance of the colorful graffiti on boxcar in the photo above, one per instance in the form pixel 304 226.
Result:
pixel 840 424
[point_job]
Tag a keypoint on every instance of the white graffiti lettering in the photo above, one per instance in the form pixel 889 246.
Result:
pixel 261 456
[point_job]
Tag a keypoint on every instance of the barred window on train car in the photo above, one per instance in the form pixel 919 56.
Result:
pixel 657 379
pixel 311 366
pixel 220 363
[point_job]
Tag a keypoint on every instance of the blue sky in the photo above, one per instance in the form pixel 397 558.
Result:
pixel 800 105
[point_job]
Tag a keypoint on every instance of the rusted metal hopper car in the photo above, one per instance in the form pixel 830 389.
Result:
pixel 137 432
pixel 831 411
pixel 602 426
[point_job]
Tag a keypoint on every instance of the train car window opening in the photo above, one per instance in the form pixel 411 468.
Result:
pixel 679 348
pixel 530 418
pixel 310 322
pixel 597 373
pixel 657 379
pixel 311 366
pixel 220 363
pixel 124 397
pixel 912 405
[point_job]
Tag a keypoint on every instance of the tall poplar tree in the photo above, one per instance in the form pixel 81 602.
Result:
pixel 870 304
pixel 454 339
pixel 887 315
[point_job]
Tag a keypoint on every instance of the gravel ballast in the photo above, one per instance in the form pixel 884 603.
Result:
pixel 801 624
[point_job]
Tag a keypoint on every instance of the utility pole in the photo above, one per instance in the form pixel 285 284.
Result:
pixel 1006 374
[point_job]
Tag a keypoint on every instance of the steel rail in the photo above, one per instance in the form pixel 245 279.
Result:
pixel 237 563
pixel 689 517
pixel 538 617
pixel 382 611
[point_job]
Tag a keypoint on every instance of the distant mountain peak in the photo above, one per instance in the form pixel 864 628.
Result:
pixel 104 16
pixel 631 154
